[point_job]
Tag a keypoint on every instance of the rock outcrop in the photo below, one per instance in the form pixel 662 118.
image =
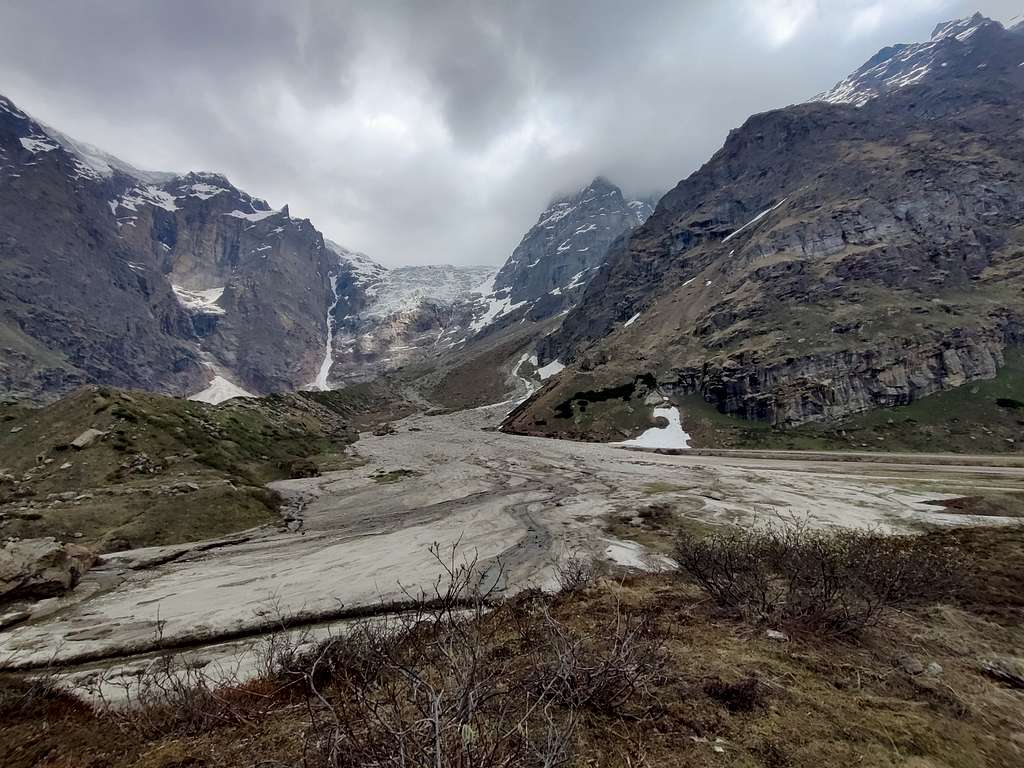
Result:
pixel 38 568
pixel 77 302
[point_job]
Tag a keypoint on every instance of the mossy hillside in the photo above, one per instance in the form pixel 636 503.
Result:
pixel 166 470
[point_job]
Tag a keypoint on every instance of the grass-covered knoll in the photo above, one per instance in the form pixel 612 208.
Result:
pixel 634 671
pixel 979 417
pixel 165 470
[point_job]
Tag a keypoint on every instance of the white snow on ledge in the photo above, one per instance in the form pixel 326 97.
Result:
pixel 671 436
pixel 754 220
pixel 220 389
pixel 256 216
pixel 551 369
pixel 36 145
pixel 200 302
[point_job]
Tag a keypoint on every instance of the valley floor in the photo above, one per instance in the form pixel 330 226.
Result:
pixel 519 504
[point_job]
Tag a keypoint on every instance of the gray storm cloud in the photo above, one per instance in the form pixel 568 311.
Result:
pixel 434 132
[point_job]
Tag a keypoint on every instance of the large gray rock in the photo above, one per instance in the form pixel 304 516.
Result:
pixel 37 568
pixel 87 438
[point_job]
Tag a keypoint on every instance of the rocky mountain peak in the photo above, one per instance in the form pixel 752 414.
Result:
pixel 561 252
pixel 962 28
pixel 954 49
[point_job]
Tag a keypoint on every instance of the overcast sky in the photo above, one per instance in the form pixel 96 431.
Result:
pixel 428 132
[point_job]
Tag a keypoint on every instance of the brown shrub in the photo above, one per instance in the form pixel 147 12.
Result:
pixel 834 582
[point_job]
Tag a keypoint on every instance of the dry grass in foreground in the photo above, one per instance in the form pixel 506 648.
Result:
pixel 644 671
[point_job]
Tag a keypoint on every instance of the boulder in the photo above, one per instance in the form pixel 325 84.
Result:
pixel 1008 670
pixel 37 568
pixel 86 439
pixel 911 665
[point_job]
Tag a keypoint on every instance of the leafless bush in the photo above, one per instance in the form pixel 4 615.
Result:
pixel 834 582
pixel 173 694
pixel 600 671
pixel 575 573
pixel 443 693
pixel 164 697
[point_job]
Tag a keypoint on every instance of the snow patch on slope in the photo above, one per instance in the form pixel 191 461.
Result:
pixel 151 195
pixel 220 390
pixel 255 216
pixel 551 369
pixel 671 436
pixel 494 308
pixel 753 221
pixel 36 144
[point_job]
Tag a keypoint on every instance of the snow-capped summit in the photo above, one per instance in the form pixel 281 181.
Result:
pixel 898 66
pixel 89 162
pixel 361 266
pixel 962 29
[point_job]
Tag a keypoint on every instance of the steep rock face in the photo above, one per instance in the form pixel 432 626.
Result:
pixel 827 260
pixel 77 303
pixel 831 386
pixel 255 280
pixel 148 280
pixel 571 236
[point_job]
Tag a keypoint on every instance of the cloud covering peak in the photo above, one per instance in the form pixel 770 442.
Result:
pixel 434 132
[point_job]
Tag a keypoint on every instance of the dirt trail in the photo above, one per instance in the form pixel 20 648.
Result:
pixel 451 479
